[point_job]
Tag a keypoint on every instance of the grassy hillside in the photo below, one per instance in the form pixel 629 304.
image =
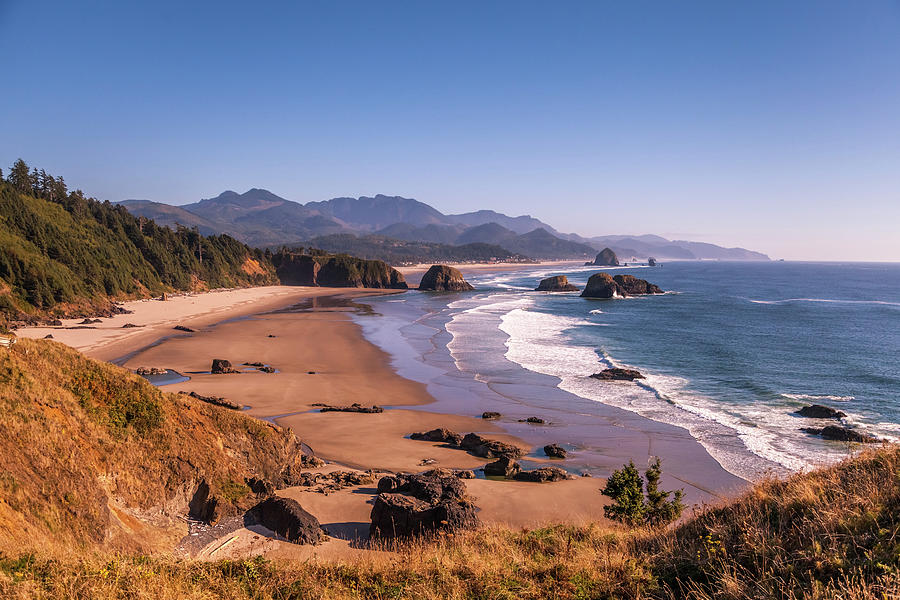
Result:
pixel 95 457
pixel 64 254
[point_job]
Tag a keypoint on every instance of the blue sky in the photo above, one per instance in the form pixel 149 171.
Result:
pixel 770 125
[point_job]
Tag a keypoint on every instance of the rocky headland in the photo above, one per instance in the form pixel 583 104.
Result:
pixel 441 278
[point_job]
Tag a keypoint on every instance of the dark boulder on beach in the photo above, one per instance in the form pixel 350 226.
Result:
pixel 216 401
pixel 532 420
pixel 633 286
pixel 606 258
pixel 441 278
pixel 542 475
pixel 502 467
pixel 438 435
pixel 490 415
pixel 486 448
pixel 287 518
pixel 555 451
pixel 842 434
pixel 618 374
pixel 560 283
pixel 183 328
pixel 818 411
pixel 421 505
pixel 221 366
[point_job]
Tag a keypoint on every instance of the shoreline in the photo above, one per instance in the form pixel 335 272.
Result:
pixel 276 326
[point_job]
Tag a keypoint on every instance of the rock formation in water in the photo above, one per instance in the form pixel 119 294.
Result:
pixel 817 411
pixel 604 285
pixel 842 434
pixel 606 258
pixel 336 271
pixel 559 283
pixel 651 261
pixel 618 374
pixel 441 278
pixel 555 451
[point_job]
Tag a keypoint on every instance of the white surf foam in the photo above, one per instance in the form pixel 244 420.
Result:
pixel 815 398
pixel 825 300
pixel 747 440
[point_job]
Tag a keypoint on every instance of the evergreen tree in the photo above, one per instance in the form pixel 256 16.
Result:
pixel 19 178
pixel 661 510
pixel 631 507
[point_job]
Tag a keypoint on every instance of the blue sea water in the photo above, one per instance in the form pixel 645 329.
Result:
pixel 730 352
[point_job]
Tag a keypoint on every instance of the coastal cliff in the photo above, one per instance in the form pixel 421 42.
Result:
pixel 335 271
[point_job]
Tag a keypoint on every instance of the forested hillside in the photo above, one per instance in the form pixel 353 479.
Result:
pixel 62 253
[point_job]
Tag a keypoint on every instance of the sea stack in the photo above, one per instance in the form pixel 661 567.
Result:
pixel 441 278
pixel 560 283
pixel 604 285
pixel 606 258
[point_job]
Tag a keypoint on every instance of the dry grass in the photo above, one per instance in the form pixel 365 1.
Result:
pixel 88 446
pixel 81 440
pixel 831 534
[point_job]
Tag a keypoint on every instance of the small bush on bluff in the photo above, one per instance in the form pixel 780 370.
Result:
pixel 632 507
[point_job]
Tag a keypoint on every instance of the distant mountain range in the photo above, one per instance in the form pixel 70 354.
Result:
pixel 260 218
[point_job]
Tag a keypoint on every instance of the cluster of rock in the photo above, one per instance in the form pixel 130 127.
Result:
pixel 90 321
pixel 490 415
pixel 184 328
pixel 262 367
pixel 606 258
pixel 603 285
pixel 220 366
pixel 217 401
pixel 333 481
pixel 144 371
pixel 441 278
pixel 508 468
pixel 421 505
pixel 618 374
pixel 532 420
pixel 353 408
pixel 559 283
pixel 555 451
pixel 471 442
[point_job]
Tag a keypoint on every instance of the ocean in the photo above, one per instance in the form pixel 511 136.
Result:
pixel 730 352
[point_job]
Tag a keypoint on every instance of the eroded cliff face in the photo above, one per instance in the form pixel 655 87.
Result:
pixel 441 278
pixel 336 271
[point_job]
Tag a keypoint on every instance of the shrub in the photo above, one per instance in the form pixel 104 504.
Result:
pixel 632 507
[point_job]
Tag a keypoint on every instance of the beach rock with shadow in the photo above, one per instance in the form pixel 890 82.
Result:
pixel 502 467
pixel 421 505
pixel 486 448
pixel 441 278
pixel 216 400
pixel 542 475
pixel 220 366
pixel 490 415
pixel 285 517
pixel 438 435
pixel 559 283
pixel 353 408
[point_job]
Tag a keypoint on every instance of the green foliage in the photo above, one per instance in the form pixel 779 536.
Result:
pixel 630 506
pixel 59 247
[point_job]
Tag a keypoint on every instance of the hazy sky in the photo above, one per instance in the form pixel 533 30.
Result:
pixel 770 125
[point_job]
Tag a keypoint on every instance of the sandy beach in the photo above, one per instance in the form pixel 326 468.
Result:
pixel 320 356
